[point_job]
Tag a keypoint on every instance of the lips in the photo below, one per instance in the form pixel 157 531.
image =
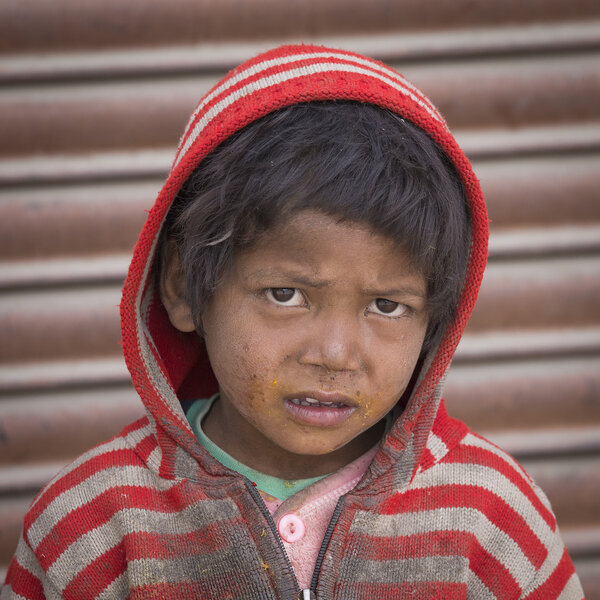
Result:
pixel 320 409
pixel 313 402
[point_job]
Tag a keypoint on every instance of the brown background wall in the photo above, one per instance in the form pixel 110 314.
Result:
pixel 93 97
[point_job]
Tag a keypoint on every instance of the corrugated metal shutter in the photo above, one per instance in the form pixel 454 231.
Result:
pixel 93 96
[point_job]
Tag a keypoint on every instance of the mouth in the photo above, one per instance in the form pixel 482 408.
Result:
pixel 320 409
pixel 313 402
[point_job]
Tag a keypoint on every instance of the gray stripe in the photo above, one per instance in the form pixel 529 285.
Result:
pixel 120 443
pixel 93 544
pixel 27 559
pixel 477 442
pixel 500 545
pixel 260 67
pixel 552 560
pixel 493 481
pixel 432 568
pixel 216 570
pixel 119 588
pixel 572 590
pixel 270 80
pixel 476 590
pixel 89 489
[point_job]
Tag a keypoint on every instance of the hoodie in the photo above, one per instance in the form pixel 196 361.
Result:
pixel 439 513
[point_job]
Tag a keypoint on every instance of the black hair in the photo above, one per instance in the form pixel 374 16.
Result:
pixel 354 161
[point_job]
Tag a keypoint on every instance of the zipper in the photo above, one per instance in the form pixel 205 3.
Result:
pixel 267 515
pixel 323 550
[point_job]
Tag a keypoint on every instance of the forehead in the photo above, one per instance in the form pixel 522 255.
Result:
pixel 330 249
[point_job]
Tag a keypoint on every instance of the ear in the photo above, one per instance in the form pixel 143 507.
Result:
pixel 172 290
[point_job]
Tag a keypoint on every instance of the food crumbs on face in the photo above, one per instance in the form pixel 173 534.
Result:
pixel 274 382
pixel 289 484
pixel 265 566
pixel 263 533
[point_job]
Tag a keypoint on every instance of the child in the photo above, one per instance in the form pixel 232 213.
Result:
pixel 292 306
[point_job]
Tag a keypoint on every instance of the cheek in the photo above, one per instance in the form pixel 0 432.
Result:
pixel 243 359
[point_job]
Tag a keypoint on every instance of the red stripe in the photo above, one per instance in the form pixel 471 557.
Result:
pixel 299 63
pixel 23 583
pixel 212 538
pixel 427 459
pixel 102 462
pixel 89 582
pixel 302 59
pixel 208 588
pixel 145 448
pixel 495 509
pixel 449 430
pixel 556 582
pixel 102 508
pixel 494 575
pixel 438 590
pixel 464 454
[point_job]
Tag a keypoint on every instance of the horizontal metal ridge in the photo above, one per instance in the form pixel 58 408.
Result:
pixel 484 144
pixel 70 24
pixel 523 343
pixel 78 321
pixel 543 241
pixel 533 392
pixel 63 271
pixel 96 116
pixel 220 56
pixel 582 541
pixel 547 444
pixel 90 167
pixel 558 441
pixel 94 371
pixel 516 345
pixel 111 268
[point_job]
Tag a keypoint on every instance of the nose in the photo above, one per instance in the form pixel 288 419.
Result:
pixel 333 343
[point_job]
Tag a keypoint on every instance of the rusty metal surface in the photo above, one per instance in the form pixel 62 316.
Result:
pixel 37 25
pixel 92 101
pixel 98 116
pixel 521 394
pixel 95 217
pixel 44 324
pixel 91 219
pixel 68 422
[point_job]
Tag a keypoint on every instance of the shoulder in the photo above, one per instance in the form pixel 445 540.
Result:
pixel 488 478
pixel 76 500
pixel 483 492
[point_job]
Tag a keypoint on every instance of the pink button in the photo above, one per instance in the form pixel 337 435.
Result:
pixel 291 528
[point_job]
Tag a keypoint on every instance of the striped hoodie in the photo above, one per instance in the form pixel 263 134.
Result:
pixel 440 512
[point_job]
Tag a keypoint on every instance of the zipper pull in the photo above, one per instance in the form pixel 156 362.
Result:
pixel 307 595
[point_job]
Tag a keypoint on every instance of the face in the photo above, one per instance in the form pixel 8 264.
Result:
pixel 313 337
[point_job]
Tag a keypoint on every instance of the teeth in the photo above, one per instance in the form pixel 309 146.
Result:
pixel 313 402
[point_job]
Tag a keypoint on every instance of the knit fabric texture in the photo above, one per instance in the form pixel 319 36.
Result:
pixel 439 513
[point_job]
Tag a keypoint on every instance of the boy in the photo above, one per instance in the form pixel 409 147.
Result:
pixel 292 305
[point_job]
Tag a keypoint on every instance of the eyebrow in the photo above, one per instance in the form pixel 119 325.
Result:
pixel 296 278
pixel 401 291
pixel 291 276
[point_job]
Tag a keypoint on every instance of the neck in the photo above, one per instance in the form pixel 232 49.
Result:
pixel 261 454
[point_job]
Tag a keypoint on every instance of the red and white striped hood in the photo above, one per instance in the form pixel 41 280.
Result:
pixel 165 363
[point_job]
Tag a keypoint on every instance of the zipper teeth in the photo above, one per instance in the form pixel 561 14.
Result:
pixel 325 543
pixel 265 511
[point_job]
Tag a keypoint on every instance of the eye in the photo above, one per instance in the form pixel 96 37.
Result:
pixel 387 308
pixel 286 296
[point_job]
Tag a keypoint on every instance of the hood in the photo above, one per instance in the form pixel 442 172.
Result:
pixel 167 365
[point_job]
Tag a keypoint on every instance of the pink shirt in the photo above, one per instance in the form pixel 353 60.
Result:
pixel 303 518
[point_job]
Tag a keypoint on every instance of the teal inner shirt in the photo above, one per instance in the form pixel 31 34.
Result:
pixel 278 488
